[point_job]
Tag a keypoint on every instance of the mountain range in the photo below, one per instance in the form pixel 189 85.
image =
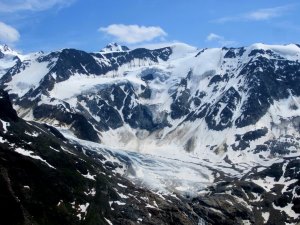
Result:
pixel 207 135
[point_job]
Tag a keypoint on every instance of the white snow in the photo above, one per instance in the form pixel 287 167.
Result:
pixel 267 183
pixel 246 222
pixel 112 47
pixel 34 134
pixel 122 195
pixel 30 154
pixel 59 203
pixel 2 140
pixel 54 149
pixel 82 209
pixel 266 216
pixel 108 221
pixel 4 125
pixel 89 176
pixel 91 192
pixel 288 210
pixel 121 185
pixel 290 51
pixel 150 206
pixel 28 78
pixel 6 63
pixel 120 203
pixel 66 150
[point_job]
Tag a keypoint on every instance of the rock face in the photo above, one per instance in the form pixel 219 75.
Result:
pixel 7 112
pixel 251 200
pixel 230 114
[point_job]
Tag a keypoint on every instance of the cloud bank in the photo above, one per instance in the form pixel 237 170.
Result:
pixel 10 6
pixel 220 40
pixel 133 34
pixel 8 33
pixel 257 15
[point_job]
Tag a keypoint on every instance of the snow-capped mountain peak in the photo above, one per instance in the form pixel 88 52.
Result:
pixel 5 49
pixel 114 47
pixel 8 58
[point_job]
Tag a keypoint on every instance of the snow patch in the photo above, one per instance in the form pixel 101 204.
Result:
pixel 30 154
pixel 108 221
pixel 89 176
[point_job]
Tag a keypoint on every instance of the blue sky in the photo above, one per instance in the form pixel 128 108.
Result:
pixel 33 25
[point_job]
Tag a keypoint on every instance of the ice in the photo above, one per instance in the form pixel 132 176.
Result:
pixel 158 172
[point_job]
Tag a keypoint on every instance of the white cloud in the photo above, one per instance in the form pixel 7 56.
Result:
pixel 213 37
pixel 10 6
pixel 158 45
pixel 266 14
pixel 133 33
pixel 257 15
pixel 8 33
pixel 225 19
pixel 220 40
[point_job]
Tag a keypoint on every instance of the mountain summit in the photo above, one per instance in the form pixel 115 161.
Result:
pixel 114 47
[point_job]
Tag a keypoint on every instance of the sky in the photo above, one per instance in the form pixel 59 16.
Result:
pixel 48 25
